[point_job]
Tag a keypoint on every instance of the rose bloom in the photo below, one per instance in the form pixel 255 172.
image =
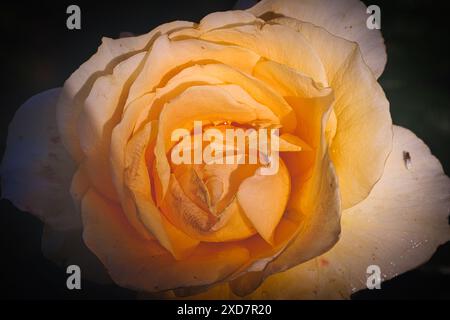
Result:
pixel 92 160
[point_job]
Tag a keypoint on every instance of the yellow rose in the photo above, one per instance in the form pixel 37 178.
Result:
pixel 351 189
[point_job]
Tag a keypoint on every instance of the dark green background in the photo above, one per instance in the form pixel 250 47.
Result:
pixel 39 53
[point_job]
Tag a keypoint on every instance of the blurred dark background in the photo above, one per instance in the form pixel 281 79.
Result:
pixel 39 53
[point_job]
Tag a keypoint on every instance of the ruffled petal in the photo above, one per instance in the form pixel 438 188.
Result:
pixel 343 18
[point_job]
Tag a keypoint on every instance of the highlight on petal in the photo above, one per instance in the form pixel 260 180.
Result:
pixel 343 18
pixel 263 199
pixel 36 169
pixel 398 227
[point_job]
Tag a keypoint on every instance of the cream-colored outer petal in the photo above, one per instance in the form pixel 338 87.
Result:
pixel 36 169
pixel 398 227
pixel 344 18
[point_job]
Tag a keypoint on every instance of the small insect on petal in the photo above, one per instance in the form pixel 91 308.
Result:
pixel 407 159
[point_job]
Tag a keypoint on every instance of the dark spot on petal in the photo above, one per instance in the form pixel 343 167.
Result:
pixel 324 262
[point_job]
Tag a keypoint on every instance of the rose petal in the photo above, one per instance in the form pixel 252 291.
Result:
pixel 204 103
pixel 199 224
pixel 77 87
pixel 287 81
pixel 236 224
pixel 217 20
pixel 166 58
pixel 146 213
pixel 193 186
pixel 230 177
pixel 121 135
pixel 136 182
pixel 36 168
pixel 292 143
pixel 217 74
pixel 344 18
pixel 274 42
pixel 101 112
pixel 144 265
pixel 224 19
pixel 263 199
